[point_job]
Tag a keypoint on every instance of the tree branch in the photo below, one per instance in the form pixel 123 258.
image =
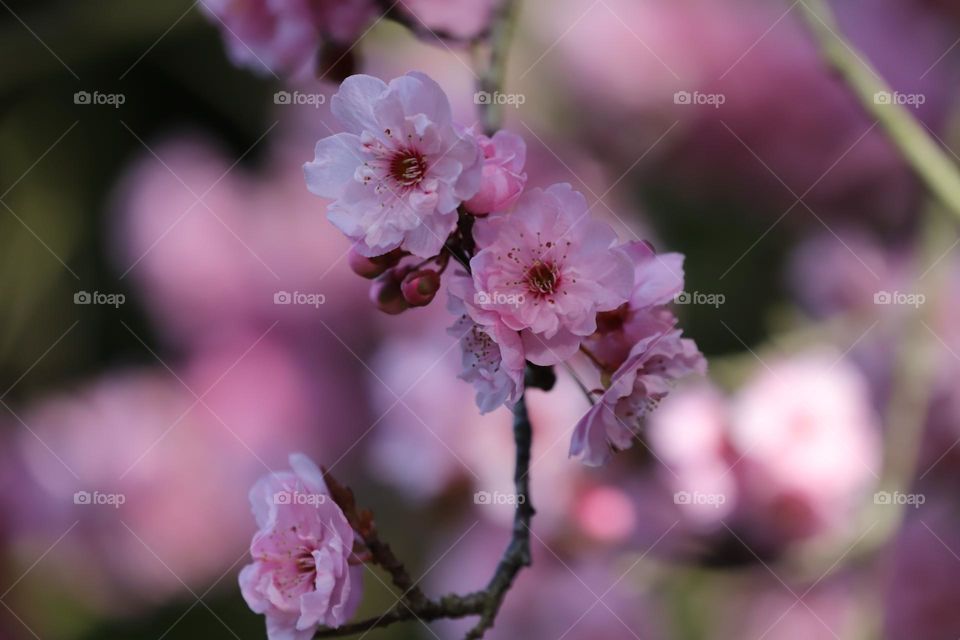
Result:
pixel 413 604
pixel 926 158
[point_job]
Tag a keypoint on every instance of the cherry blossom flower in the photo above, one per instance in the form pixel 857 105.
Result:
pixel 283 36
pixel 546 270
pixel 657 279
pixel 301 576
pixel 503 176
pixel 636 388
pixel 493 356
pixel 400 170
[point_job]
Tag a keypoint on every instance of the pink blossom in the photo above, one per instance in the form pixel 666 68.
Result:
pixel 503 176
pixel 400 170
pixel 657 279
pixel 810 442
pixel 284 36
pixel 546 270
pixel 493 357
pixel 644 379
pixel 301 576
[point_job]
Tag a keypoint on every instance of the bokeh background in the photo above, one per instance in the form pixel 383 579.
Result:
pixel 807 489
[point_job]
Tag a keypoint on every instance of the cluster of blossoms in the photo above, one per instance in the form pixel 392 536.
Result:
pixel 534 278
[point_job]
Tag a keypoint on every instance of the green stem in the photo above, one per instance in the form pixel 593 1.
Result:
pixel 923 154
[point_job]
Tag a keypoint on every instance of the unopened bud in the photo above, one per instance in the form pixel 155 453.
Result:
pixel 385 292
pixel 420 287
pixel 372 267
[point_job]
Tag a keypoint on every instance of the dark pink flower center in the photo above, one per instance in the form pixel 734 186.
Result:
pixel 407 167
pixel 543 278
pixel 305 562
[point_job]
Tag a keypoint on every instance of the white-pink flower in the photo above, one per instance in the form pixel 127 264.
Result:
pixel 503 175
pixel 301 575
pixel 400 170
pixel 546 270
pixel 492 355
pixel 284 36
pixel 646 377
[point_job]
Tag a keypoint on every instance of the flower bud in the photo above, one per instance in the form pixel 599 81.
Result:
pixel 385 292
pixel 419 287
pixel 372 267
pixel 503 178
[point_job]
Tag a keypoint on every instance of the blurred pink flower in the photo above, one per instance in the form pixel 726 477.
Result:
pixel 787 458
pixel 642 381
pixel 401 169
pixel 547 269
pixel 301 576
pixel 690 434
pixel 459 18
pixel 144 435
pixel 503 177
pixel 810 441
pixel 212 270
pixel 284 36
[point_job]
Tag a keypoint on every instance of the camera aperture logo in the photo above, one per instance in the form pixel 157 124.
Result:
pixel 299 298
pixel 714 500
pixel 97 98
pixel 698 98
pixel 99 498
pixel 697 297
pixel 498 299
pixel 899 298
pixel 510 99
pixel 496 497
pixel 903 99
pixel 298 498
pixel 96 297
pixel 299 98
pixel 897 498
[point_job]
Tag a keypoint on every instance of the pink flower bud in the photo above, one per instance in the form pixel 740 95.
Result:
pixel 502 179
pixel 419 287
pixel 370 268
pixel 385 292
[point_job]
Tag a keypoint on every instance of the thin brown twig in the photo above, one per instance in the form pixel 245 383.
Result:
pixel 413 604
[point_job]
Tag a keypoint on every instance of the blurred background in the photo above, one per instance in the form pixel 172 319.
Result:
pixel 153 208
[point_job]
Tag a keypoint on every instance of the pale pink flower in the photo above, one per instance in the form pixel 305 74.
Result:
pixel 503 175
pixel 809 440
pixel 284 36
pixel 644 379
pixel 689 433
pixel 546 270
pixel 301 576
pixel 657 280
pixel 492 355
pixel 400 170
